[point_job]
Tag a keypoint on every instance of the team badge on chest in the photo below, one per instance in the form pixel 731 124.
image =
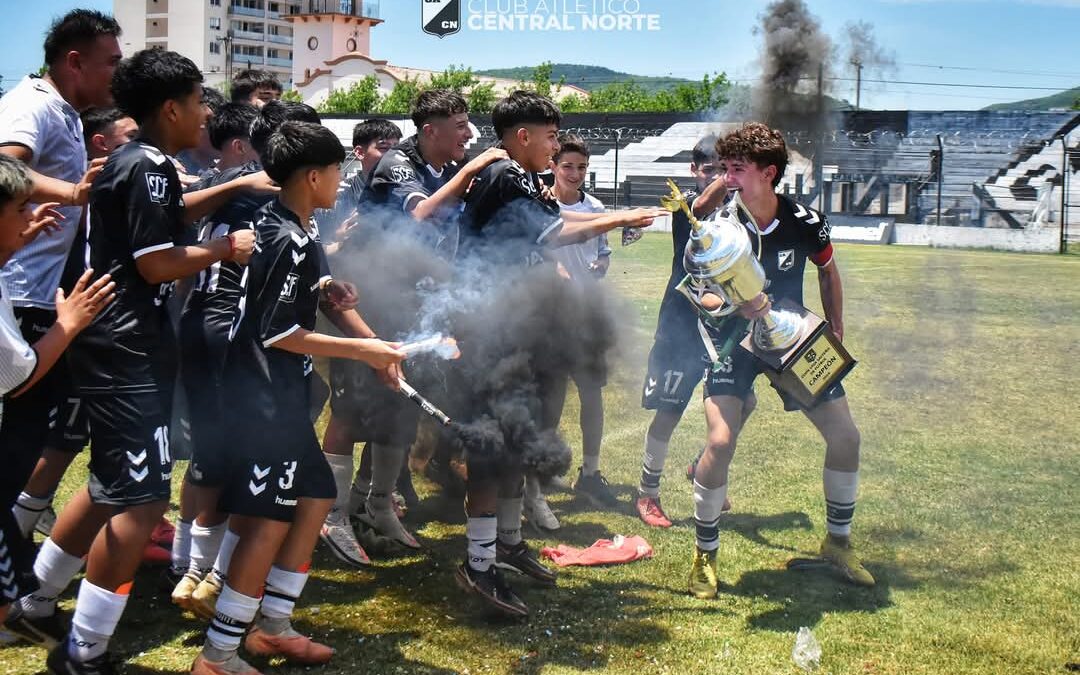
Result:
pixel 785 259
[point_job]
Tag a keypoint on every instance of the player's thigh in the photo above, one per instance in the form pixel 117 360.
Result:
pixel 723 420
pixel 833 420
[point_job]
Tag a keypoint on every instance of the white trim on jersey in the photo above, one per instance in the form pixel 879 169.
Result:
pixel 768 230
pixel 551 228
pixel 281 336
pixel 241 306
pixel 151 249
pixel 408 198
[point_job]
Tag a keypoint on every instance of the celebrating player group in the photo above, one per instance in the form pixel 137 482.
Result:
pixel 181 270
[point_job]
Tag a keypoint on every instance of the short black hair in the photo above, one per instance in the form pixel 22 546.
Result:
pixel 369 131
pixel 705 150
pixel 300 145
pixel 144 82
pixel 273 114
pixel 521 108
pixel 248 81
pixel 213 98
pixel 433 103
pixel 97 120
pixel 15 180
pixel 232 120
pixel 75 30
pixel 571 143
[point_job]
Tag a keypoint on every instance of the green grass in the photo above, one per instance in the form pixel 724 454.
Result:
pixel 969 512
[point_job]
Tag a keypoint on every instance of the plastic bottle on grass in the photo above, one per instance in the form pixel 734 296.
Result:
pixel 807 652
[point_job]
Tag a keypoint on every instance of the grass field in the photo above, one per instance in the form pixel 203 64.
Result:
pixel 969 512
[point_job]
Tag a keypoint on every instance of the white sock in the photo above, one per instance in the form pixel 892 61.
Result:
pixel 708 503
pixel 508 518
pixel 841 488
pixel 283 588
pixel 233 613
pixel 97 611
pixel 205 542
pixel 54 569
pixel 28 510
pixel 181 545
pixel 342 468
pixel 652 465
pixel 224 554
pixel 481 533
pixel 590 464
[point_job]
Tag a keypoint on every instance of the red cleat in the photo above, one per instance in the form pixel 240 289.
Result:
pixel 651 513
pixel 294 647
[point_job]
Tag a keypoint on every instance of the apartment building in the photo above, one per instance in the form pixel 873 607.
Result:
pixel 224 36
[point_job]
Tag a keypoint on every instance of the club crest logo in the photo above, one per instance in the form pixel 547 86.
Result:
pixel 401 173
pixel 157 186
pixel 785 259
pixel 811 356
pixel 440 17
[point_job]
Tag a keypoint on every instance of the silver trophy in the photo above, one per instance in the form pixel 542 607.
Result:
pixel 720 257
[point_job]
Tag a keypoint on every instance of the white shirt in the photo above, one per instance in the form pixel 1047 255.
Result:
pixel 34 115
pixel 576 258
pixel 17 358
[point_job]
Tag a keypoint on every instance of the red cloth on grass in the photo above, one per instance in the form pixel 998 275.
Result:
pixel 603 552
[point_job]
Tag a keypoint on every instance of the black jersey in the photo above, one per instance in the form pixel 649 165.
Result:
pixel 797 233
pixel 213 306
pixel 281 296
pixel 505 206
pixel 403 174
pixel 677 321
pixel 136 208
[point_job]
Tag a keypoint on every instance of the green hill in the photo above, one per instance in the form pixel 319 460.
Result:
pixel 1065 99
pixel 586 77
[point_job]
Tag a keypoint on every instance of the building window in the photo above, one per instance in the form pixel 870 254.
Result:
pixel 214 3
pixel 215 23
pixel 215 47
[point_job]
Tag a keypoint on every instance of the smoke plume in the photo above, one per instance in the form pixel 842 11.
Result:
pixel 520 329
pixel 794 52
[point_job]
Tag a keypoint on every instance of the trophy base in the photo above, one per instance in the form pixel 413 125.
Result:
pixel 808 369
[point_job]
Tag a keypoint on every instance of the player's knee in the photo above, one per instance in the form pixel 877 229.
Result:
pixel 721 445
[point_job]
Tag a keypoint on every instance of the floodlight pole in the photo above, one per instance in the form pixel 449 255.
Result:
pixel 858 83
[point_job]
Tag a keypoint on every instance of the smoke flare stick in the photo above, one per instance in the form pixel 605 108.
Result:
pixel 425 405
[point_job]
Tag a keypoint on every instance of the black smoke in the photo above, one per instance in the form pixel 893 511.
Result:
pixel 795 52
pixel 520 328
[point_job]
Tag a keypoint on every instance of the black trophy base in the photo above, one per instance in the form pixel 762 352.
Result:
pixel 810 368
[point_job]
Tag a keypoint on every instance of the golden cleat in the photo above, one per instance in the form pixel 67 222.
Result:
pixel 841 556
pixel 703 578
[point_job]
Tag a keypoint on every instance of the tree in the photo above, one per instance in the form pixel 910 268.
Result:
pixel 360 97
pixel 480 97
pixel 400 98
pixel 292 96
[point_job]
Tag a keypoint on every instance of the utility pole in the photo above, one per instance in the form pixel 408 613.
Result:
pixel 1063 246
pixel 226 43
pixel 940 175
pixel 858 83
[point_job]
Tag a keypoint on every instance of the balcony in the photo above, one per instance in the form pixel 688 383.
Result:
pixel 281 63
pixel 280 39
pixel 248 35
pixel 367 9
pixel 247 11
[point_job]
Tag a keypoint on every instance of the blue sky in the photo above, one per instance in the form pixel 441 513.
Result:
pixel 961 42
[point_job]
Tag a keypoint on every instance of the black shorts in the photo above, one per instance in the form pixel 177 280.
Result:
pixel 675 368
pixel 370 410
pixel 736 374
pixel 206 426
pixel 274 466
pixel 50 413
pixel 130 456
